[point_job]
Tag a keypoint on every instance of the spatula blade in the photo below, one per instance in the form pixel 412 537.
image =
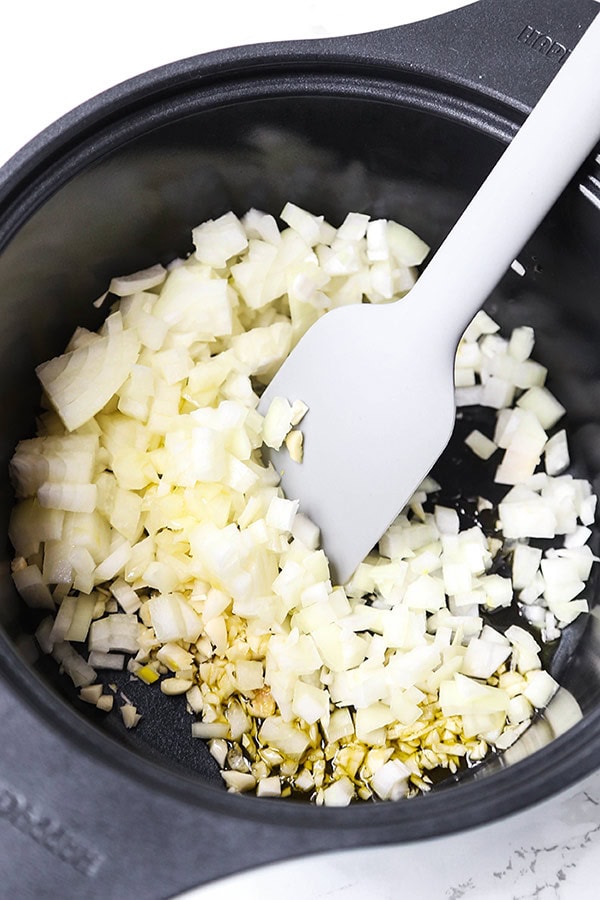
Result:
pixel 378 379
pixel 380 394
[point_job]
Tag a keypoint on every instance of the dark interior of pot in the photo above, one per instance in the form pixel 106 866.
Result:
pixel 127 197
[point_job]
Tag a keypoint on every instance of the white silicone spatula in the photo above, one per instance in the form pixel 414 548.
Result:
pixel 378 379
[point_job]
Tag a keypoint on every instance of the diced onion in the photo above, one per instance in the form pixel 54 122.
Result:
pixel 139 281
pixel 80 383
pixel 149 527
pixel 100 660
pixel 481 445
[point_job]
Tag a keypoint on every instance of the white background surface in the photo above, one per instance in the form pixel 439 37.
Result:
pixel 57 54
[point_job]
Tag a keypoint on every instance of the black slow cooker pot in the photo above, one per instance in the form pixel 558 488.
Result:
pixel 403 123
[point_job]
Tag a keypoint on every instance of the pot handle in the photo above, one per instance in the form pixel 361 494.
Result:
pixel 509 50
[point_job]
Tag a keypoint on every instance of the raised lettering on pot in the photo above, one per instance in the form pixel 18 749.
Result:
pixel 544 44
pixel 48 833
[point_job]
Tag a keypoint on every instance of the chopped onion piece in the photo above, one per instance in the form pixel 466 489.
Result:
pixel 81 618
pixel 562 712
pixel 100 660
pixel 307 225
pixel 468 396
pixel 78 670
pixel 523 452
pixel 68 497
pixel 446 520
pixel 390 782
pixel 173 619
pixel 483 658
pixel 277 423
pixel 105 702
pixel 284 736
pixel 238 782
pixel 464 696
pixel 269 787
pixel 340 793
pixel 130 715
pixel 32 588
pixel 281 513
pixel 521 342
pixel 525 564
pixel 556 453
pixel 481 445
pixel 531 518
pixel 115 632
pixel 540 689
pixel 138 281
pixel 80 383
pixel 218 240
pixel 125 595
pixel 543 404
pixel 91 693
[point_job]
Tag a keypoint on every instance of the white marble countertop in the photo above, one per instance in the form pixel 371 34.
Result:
pixel 54 56
pixel 550 852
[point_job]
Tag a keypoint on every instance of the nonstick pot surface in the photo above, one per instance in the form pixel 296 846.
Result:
pixel 119 186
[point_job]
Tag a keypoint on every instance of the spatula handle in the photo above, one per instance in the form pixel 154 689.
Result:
pixel 537 165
